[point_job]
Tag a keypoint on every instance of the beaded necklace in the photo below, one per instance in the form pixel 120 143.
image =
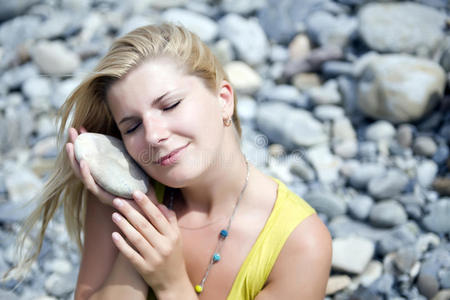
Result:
pixel 222 235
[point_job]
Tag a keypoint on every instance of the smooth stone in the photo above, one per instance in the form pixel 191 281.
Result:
pixel 405 135
pixel 247 109
pixel 384 284
pixel 326 203
pixel 22 184
pixel 426 172
pixel 387 213
pixel 444 278
pixel 279 53
pixel 380 130
pixel 389 185
pixel 352 254
pixel 242 6
pixel 427 241
pixel 336 283
pixel 306 81
pixel 60 285
pixel 442 295
pixel 223 50
pixel 326 94
pixel 283 93
pixel 303 170
pixel 442 186
pixel 370 274
pixel 399 237
pixel 325 163
pixel 328 112
pixel 243 78
pixel 428 285
pixel 163 4
pixel 110 165
pixel 425 145
pixel 54 58
pixel 359 207
pixel 285 130
pixel 437 219
pixel 199 24
pixel 340 226
pixel 247 37
pixel 299 47
pixel 329 30
pixel 412 88
pixel 344 139
pixel 405 259
pixel 386 27
pixel 364 173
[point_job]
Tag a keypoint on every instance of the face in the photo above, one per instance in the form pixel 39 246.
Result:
pixel 171 124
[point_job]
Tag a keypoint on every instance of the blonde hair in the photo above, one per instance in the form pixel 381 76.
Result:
pixel 90 110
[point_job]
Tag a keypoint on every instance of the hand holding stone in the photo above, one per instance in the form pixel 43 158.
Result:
pixel 103 165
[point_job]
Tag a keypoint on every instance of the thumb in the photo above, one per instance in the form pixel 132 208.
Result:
pixel 169 214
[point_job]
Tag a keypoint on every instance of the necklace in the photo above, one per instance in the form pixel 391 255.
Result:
pixel 222 235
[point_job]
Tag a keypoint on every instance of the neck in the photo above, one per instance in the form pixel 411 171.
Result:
pixel 215 194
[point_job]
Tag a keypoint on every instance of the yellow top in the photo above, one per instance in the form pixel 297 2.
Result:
pixel 289 210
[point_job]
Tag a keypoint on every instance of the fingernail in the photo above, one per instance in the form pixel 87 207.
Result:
pixel 117 202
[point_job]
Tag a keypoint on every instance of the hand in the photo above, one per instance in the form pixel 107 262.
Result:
pixel 153 242
pixel 81 170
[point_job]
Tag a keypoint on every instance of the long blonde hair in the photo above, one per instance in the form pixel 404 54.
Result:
pixel 90 110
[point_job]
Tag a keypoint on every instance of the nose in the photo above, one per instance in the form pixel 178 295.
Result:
pixel 156 131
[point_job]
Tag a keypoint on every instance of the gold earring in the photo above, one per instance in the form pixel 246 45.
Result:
pixel 227 122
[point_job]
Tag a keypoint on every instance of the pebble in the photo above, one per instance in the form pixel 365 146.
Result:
pixel 426 172
pixel 380 130
pixel 110 165
pixel 54 58
pixel 365 173
pixel 243 78
pixel 352 254
pixel 326 203
pixel 405 135
pixel 424 145
pixel 326 94
pixel 360 207
pixel 325 163
pixel 389 185
pixel 328 112
pixel 387 213
pixel 436 220
pixel 337 283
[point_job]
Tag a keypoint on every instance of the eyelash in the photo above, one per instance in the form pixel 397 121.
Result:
pixel 164 109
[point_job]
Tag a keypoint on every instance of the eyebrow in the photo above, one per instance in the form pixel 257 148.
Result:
pixel 156 101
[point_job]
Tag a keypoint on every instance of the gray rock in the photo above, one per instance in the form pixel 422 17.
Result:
pixel 366 172
pixel 386 27
pixel 54 58
pixel 301 169
pixel 244 79
pixel 328 112
pixel 352 254
pixel 282 19
pixel 162 4
pixel 360 206
pixel 247 109
pixel 405 259
pixel 387 213
pixel 426 172
pixel 110 165
pixel 444 278
pixel 325 163
pixel 380 130
pixel 201 25
pixel 242 6
pixel 437 219
pixel 285 130
pixel 384 284
pixel 341 226
pixel 60 285
pixel 401 236
pixel 389 185
pixel 283 93
pixel 22 184
pixel 326 94
pixel 428 285
pixel 327 203
pixel 425 145
pixel 329 30
pixel 246 36
pixel 14 32
pixel 442 295
pixel 405 135
pixel 411 89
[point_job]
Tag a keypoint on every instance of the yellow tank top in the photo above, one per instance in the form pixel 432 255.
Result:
pixel 289 210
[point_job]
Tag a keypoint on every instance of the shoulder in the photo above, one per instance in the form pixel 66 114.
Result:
pixel 303 265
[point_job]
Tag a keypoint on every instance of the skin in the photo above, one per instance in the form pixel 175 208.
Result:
pixel 147 237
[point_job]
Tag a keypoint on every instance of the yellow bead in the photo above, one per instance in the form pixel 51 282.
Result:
pixel 198 288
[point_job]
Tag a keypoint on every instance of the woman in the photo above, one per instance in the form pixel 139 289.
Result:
pixel 164 94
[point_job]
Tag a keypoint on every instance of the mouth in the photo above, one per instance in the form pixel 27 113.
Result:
pixel 170 158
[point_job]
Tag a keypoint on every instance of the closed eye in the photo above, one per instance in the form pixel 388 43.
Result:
pixel 171 107
pixel 133 129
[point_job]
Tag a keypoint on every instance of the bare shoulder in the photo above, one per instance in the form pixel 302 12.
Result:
pixel 303 265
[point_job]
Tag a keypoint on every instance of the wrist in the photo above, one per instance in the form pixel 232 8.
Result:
pixel 182 290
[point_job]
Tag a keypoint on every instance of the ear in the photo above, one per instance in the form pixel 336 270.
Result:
pixel 226 98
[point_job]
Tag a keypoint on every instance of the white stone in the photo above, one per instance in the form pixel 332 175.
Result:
pixel 244 79
pixel 326 164
pixel 336 283
pixel 352 254
pixel 110 165
pixel 54 58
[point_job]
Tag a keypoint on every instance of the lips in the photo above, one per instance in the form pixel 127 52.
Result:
pixel 158 161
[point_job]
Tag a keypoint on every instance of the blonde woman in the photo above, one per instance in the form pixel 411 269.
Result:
pixel 213 226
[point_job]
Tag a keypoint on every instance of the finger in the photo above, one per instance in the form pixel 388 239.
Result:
pixel 153 213
pixel 137 220
pixel 128 251
pixel 82 129
pixel 73 162
pixel 141 244
pixel 169 214
pixel 73 134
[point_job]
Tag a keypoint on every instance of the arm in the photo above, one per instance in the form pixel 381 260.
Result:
pixel 102 270
pixel 303 266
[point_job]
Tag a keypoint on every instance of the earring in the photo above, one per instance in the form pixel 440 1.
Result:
pixel 227 122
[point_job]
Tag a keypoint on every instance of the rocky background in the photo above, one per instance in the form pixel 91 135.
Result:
pixel 346 101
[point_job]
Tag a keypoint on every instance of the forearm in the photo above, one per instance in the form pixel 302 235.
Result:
pixel 124 282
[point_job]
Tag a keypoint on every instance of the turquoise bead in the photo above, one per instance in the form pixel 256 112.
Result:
pixel 223 233
pixel 216 257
